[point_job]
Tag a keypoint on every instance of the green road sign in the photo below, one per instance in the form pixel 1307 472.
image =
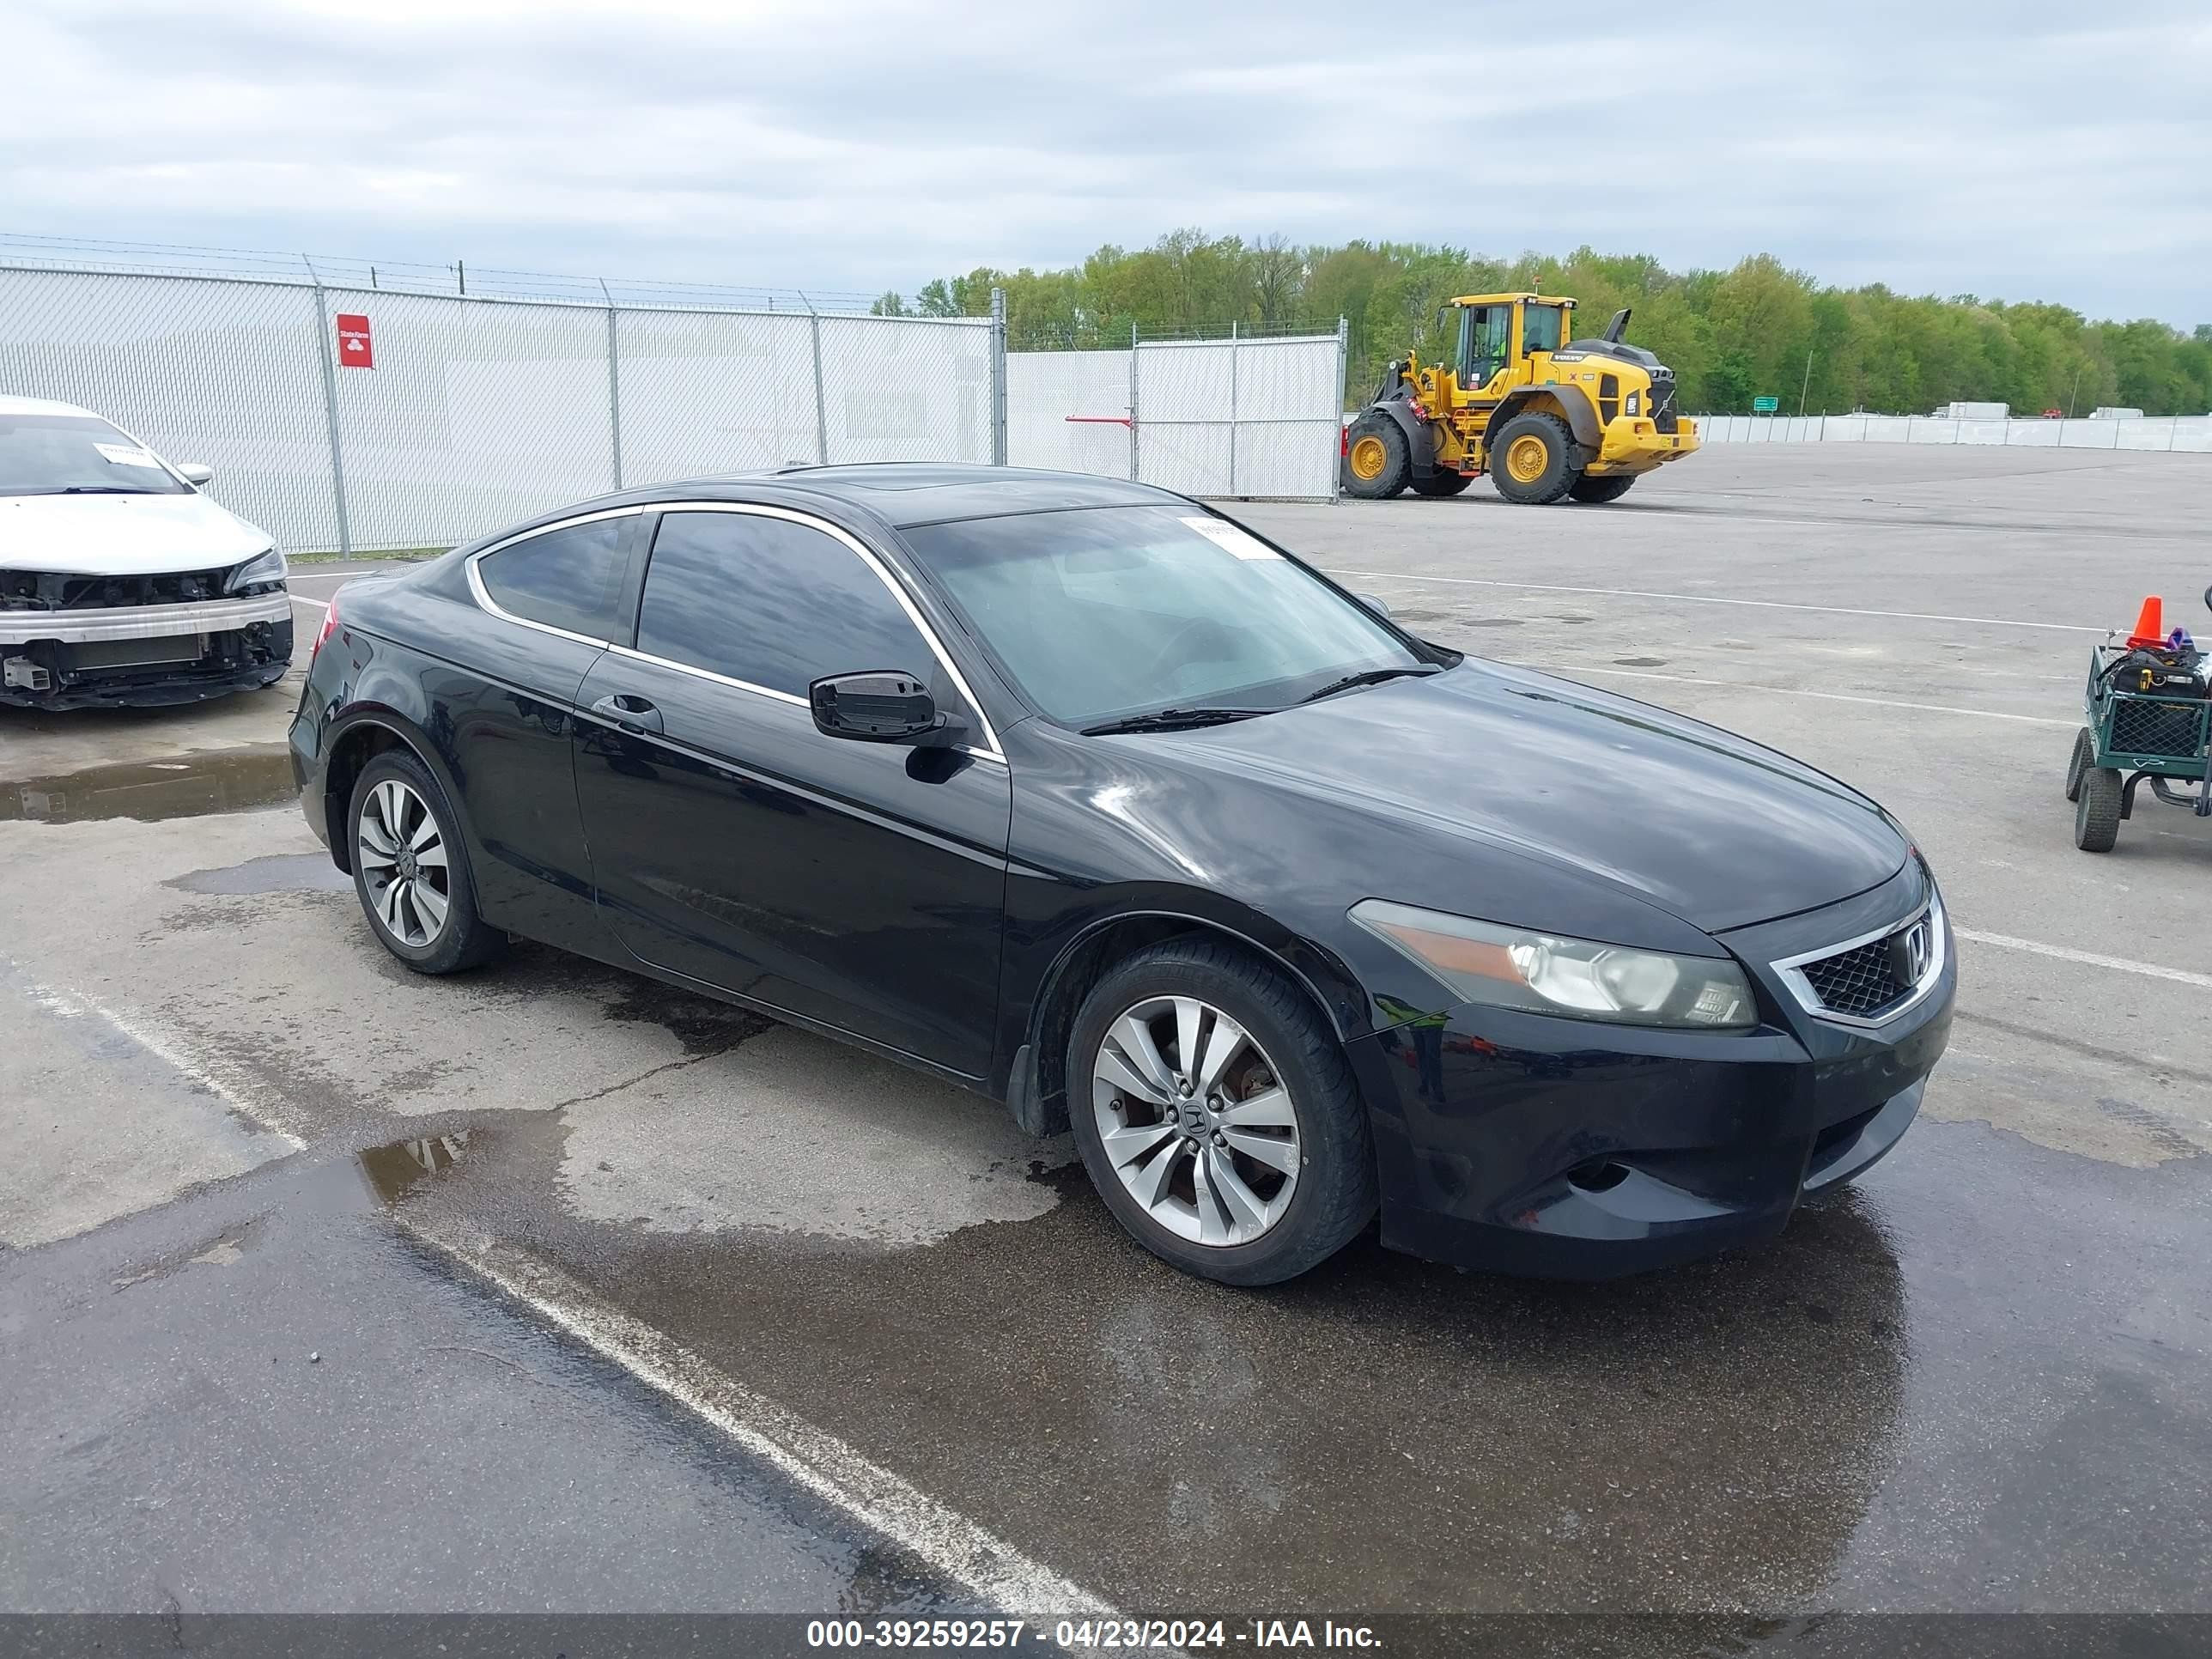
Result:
pixel 1764 405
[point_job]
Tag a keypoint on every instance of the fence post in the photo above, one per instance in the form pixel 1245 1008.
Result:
pixel 1133 400
pixel 1232 408
pixel 821 402
pixel 614 385
pixel 998 377
pixel 331 409
pixel 1343 372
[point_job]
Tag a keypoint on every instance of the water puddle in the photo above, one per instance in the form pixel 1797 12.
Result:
pixel 394 1170
pixel 279 872
pixel 191 786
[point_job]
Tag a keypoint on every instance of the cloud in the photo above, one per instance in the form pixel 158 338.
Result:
pixel 2017 151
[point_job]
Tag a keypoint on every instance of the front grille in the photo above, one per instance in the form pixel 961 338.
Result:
pixel 47 590
pixel 1859 982
pixel 1662 402
pixel 2144 726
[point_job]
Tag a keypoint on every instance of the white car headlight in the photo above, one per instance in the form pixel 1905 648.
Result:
pixel 1545 974
pixel 268 566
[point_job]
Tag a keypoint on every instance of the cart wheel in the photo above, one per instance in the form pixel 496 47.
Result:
pixel 2085 750
pixel 2097 812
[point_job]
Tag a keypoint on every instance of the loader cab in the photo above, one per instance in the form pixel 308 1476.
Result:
pixel 1497 332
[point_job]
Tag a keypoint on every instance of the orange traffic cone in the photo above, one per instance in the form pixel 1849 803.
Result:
pixel 2150 626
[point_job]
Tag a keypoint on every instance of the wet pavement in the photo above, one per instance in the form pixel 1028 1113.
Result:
pixel 241 1135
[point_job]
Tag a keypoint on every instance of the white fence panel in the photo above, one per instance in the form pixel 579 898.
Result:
pixel 1068 410
pixel 2194 435
pixel 2033 435
pixel 714 392
pixel 1983 432
pixel 2144 434
pixel 2191 434
pixel 907 389
pixel 2090 434
pixel 223 373
pixel 477 413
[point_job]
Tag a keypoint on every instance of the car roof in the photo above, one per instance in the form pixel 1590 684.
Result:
pixel 905 494
pixel 41 406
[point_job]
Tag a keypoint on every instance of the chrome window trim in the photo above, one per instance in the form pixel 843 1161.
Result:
pixel 990 751
pixel 1790 969
pixel 483 594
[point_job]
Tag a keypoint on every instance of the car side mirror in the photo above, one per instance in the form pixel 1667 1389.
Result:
pixel 880 706
pixel 1381 610
pixel 197 473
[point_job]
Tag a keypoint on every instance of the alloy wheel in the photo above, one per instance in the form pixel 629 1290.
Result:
pixel 401 852
pixel 1195 1122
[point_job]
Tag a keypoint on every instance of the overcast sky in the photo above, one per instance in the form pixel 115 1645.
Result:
pixel 2017 151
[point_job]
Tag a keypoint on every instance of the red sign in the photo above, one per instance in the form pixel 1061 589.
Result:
pixel 354 348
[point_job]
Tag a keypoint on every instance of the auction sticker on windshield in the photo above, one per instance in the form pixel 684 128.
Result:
pixel 1223 534
pixel 124 455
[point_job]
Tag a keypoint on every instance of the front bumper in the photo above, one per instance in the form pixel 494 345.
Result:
pixel 1635 444
pixel 143 656
pixel 1573 1149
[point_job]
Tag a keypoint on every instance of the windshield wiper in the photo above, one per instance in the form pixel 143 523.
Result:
pixel 99 489
pixel 1174 719
pixel 1370 676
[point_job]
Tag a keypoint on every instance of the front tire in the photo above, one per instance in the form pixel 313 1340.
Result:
pixel 1531 459
pixel 411 868
pixel 1216 1116
pixel 1377 462
pixel 2097 812
pixel 1599 491
pixel 2084 754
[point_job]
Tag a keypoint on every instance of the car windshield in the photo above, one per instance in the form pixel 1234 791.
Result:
pixel 76 454
pixel 1103 613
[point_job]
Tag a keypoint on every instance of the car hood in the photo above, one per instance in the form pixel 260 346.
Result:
pixel 122 535
pixel 1710 827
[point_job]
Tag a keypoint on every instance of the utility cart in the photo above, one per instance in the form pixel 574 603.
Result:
pixel 2148 710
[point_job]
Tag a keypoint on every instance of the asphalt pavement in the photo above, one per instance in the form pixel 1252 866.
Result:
pixel 548 1288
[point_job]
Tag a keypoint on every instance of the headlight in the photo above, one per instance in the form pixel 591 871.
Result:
pixel 262 568
pixel 1635 406
pixel 1544 974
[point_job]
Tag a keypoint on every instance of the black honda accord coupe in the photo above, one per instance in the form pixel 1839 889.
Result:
pixel 1080 794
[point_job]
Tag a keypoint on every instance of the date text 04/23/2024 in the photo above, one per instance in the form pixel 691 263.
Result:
pixel 1087 1635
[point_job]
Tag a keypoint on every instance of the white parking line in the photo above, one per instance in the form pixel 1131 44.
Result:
pixel 934 1533
pixel 1793 691
pixel 1711 598
pixel 320 607
pixel 2087 958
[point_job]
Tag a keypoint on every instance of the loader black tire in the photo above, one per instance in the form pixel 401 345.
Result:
pixel 2097 813
pixel 1438 485
pixel 1596 490
pixel 1377 447
pixel 1531 459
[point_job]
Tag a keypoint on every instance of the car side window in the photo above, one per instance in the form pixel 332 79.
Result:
pixel 771 602
pixel 570 579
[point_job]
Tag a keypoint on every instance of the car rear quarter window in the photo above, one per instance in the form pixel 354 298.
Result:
pixel 569 579
pixel 771 602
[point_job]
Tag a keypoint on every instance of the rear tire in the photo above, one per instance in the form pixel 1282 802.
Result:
pixel 403 834
pixel 1530 459
pixel 1286 1091
pixel 1438 485
pixel 2085 752
pixel 1377 462
pixel 2097 813
pixel 1597 490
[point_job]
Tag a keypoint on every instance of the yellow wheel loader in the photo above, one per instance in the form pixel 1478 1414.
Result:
pixel 1546 415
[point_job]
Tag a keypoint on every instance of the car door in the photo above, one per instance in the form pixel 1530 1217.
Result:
pixel 500 696
pixel 860 884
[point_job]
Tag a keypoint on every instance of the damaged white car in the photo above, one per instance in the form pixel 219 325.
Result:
pixel 120 583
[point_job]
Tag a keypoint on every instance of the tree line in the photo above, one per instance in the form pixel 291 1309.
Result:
pixel 1758 330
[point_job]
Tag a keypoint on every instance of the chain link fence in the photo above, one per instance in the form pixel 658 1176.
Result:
pixel 1244 416
pixel 353 414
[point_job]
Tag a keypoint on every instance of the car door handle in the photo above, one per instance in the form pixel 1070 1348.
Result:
pixel 629 712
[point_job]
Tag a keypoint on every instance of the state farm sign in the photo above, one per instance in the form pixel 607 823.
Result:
pixel 354 350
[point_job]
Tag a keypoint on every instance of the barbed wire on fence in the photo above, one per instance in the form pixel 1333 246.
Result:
pixel 460 278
